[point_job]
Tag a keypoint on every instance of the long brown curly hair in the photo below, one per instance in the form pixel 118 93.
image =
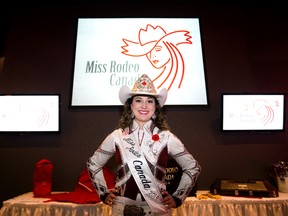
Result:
pixel 127 121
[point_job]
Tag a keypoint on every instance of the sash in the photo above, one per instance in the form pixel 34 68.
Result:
pixel 141 172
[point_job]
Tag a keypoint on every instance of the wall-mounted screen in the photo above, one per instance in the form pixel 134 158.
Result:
pixel 29 113
pixel 111 52
pixel 253 112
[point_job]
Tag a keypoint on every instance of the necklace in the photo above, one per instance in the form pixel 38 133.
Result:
pixel 140 140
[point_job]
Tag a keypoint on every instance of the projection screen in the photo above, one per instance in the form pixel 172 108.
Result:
pixel 111 52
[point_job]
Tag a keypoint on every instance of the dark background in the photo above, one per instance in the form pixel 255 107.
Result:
pixel 245 50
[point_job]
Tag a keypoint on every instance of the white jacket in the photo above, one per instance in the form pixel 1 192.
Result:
pixel 156 149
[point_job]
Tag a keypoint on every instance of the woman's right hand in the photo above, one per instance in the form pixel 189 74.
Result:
pixel 110 200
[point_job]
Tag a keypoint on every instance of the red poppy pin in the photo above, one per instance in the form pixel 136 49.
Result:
pixel 155 137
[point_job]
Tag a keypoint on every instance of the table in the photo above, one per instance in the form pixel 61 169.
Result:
pixel 27 205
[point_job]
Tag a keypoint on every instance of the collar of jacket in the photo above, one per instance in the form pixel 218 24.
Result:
pixel 146 127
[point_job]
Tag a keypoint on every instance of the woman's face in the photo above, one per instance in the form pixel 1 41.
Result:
pixel 159 56
pixel 143 108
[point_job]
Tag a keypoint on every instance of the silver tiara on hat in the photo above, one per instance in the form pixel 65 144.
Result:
pixel 143 86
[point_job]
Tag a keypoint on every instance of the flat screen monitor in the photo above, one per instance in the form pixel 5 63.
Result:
pixel 253 112
pixel 112 52
pixel 29 113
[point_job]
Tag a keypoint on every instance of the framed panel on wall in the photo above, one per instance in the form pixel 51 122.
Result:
pixel 30 113
pixel 111 52
pixel 253 112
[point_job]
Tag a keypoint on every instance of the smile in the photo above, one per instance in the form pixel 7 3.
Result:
pixel 143 112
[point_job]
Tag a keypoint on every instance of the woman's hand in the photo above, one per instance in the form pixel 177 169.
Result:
pixel 168 200
pixel 110 200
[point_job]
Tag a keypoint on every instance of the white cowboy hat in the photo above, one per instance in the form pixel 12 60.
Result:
pixel 143 86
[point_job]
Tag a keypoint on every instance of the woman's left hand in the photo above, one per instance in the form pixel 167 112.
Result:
pixel 168 200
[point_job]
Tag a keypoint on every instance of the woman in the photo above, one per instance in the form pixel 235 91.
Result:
pixel 142 143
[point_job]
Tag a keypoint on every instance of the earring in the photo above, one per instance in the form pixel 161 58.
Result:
pixel 132 115
pixel 153 116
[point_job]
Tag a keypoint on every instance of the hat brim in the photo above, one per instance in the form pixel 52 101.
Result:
pixel 126 93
